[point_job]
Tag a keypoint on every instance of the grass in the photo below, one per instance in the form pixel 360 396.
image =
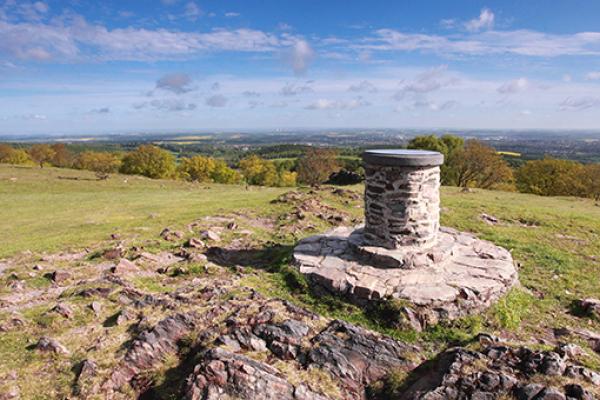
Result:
pixel 50 209
pixel 555 241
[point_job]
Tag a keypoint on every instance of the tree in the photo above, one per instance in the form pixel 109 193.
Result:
pixel 62 156
pixel 102 163
pixel 287 178
pixel 449 146
pixel 197 168
pixel 592 176
pixel 552 177
pixel 258 171
pixel 317 165
pixel 10 155
pixel 150 161
pixel 480 165
pixel 41 153
pixel 223 174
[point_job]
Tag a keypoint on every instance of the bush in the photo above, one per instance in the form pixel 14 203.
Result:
pixel 480 166
pixel 150 161
pixel 449 146
pixel 552 177
pixel 207 169
pixel 62 156
pixel 317 165
pixel 10 155
pixel 41 154
pixel 102 163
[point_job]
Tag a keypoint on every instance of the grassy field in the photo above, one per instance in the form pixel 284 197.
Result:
pixel 50 209
pixel 555 241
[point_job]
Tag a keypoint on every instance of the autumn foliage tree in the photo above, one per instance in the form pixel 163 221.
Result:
pixel 149 160
pixel 102 163
pixel 41 153
pixel 62 156
pixel 207 169
pixel 10 155
pixel 552 177
pixel 317 165
pixel 592 178
pixel 258 171
pixel 480 166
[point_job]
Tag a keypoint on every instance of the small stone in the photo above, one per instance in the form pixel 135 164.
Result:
pixel 38 267
pixel 591 307
pixel 64 310
pixel 196 243
pixel 96 306
pixel 210 235
pixel 232 225
pixel 49 344
pixel 112 254
pixel 60 276
pixel 124 266
pixel 550 394
pixel 88 369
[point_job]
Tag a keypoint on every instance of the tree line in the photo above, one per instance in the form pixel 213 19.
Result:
pixel 468 163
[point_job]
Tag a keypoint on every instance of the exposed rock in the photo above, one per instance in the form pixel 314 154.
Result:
pixel 210 235
pixel 124 266
pixel 359 357
pixel 170 235
pixel 489 219
pixel 492 373
pixel 196 243
pixel 223 374
pixel 113 253
pixel 60 276
pixel 591 307
pixel 96 307
pixel 64 310
pixel 47 344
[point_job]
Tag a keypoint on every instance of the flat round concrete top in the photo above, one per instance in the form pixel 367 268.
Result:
pixel 403 158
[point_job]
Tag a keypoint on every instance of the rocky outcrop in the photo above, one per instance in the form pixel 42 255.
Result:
pixel 498 372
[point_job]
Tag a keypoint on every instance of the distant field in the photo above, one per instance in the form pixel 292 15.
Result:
pixel 509 153
pixel 43 210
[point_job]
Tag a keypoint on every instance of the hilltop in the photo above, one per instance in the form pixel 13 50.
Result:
pixel 134 286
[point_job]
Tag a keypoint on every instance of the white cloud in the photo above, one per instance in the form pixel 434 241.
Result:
pixel 567 78
pixel 215 86
pixel 77 40
pixel 102 110
pixel 299 56
pixel 291 89
pixel 431 105
pixel 325 104
pixel 217 100
pixel 593 76
pixel 192 11
pixel 232 14
pixel 251 93
pixel 426 82
pixel 579 103
pixel 514 86
pixel 172 105
pixel 177 83
pixel 484 21
pixel 363 86
pixel 520 42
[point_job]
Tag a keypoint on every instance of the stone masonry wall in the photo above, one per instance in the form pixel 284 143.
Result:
pixel 402 205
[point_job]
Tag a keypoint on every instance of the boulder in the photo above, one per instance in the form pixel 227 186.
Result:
pixel 47 344
pixel 60 276
pixel 124 266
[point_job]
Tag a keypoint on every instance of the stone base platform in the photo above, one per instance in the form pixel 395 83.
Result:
pixel 457 276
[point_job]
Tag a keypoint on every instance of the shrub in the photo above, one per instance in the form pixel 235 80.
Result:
pixel 102 163
pixel 258 171
pixel 317 165
pixel 552 177
pixel 150 161
pixel 479 165
pixel 62 156
pixel 41 153
pixel 207 169
pixel 10 155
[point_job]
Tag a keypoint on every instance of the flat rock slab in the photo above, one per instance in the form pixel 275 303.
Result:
pixel 458 276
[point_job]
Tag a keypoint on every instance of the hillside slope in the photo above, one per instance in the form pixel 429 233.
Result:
pixel 147 311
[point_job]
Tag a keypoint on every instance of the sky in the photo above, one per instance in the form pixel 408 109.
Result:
pixel 79 67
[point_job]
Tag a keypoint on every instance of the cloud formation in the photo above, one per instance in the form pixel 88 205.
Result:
pixel 171 105
pixel 177 83
pixel 291 89
pixel 484 21
pixel 514 86
pixel 579 103
pixel 299 56
pixel 326 104
pixel 217 100
pixel 363 86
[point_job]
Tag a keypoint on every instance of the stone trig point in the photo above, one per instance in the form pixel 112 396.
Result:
pixel 401 251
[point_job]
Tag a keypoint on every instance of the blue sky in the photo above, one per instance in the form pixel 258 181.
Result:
pixel 78 67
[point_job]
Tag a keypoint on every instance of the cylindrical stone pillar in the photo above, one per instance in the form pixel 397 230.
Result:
pixel 402 197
